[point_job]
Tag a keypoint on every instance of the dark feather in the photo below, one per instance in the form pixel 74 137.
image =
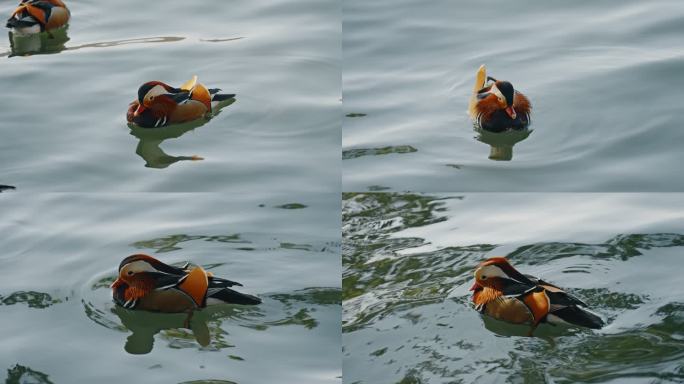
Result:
pixel 514 288
pixel 578 316
pixel 163 279
pixel 16 23
pixel 178 97
pixel 558 298
pixel 234 297
pixel 222 97
pixel 217 282
pixel 499 121
pixel 482 95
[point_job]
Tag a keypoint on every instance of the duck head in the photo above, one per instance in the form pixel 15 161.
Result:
pixel 148 92
pixel 503 90
pixel 497 273
pixel 140 271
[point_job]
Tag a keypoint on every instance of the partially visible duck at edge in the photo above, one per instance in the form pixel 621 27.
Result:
pixel 496 106
pixel 159 104
pixel 503 293
pixel 35 16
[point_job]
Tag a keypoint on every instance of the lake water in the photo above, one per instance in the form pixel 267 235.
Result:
pixel 64 120
pixel 604 78
pixel 409 260
pixel 60 252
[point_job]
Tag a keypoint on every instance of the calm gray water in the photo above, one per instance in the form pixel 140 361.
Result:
pixel 60 252
pixel 605 79
pixel 63 122
pixel 408 263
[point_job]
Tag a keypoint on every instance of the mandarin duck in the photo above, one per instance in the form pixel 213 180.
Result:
pixel 159 104
pixel 501 292
pixel 35 16
pixel 148 284
pixel 496 106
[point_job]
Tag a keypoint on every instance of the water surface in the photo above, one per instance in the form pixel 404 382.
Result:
pixel 408 262
pixel 64 125
pixel 60 253
pixel 604 79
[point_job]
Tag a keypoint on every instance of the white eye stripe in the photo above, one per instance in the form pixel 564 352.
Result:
pixel 140 266
pixel 497 92
pixel 492 271
pixel 155 91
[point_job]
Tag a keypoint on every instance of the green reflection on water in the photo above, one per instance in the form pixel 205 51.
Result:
pixel 620 247
pixel 501 143
pixel 359 152
pixel 205 327
pixel 32 298
pixel 400 312
pixel 150 140
pixel 170 243
pixel 291 206
pixel 38 43
pixel 20 374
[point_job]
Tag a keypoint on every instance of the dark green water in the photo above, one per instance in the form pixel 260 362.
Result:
pixel 60 253
pixel 605 79
pixel 408 263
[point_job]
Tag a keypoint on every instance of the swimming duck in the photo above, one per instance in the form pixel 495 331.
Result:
pixel 148 284
pixel 500 291
pixel 496 106
pixel 159 104
pixel 35 16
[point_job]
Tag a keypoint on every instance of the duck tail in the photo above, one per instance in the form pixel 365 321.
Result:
pixel 480 78
pixel 215 96
pixel 578 316
pixel 230 296
pixel 220 100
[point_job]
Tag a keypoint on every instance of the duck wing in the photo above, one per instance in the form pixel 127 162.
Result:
pixel 229 296
pixel 567 308
pixel 217 282
pixel 557 295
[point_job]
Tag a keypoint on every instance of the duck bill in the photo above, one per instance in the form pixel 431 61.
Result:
pixel 141 108
pixel 511 112
pixel 475 286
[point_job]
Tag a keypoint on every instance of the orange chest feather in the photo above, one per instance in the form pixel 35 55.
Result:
pixel 138 288
pixel 536 302
pixel 486 295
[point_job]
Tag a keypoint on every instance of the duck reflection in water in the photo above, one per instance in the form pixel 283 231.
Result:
pixel 150 140
pixel 501 143
pixel 38 43
pixel 204 326
pixel 145 325
pixel 6 188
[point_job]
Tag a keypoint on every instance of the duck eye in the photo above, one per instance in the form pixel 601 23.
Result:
pixel 484 277
pixel 130 273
